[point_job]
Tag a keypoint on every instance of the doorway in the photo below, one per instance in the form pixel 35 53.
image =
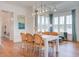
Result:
pixel 6 25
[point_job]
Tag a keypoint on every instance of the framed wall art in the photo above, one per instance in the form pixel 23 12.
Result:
pixel 21 22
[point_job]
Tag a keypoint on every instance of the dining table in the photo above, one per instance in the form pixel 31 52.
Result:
pixel 48 38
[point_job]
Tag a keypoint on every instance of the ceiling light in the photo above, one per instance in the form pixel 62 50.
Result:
pixel 40 12
pixel 37 12
pixel 42 9
pixel 55 10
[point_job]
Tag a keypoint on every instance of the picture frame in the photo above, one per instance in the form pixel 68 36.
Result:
pixel 21 22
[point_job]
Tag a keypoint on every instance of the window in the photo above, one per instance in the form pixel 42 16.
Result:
pixel 61 20
pixel 55 21
pixel 61 23
pixel 47 20
pixel 69 23
pixel 43 22
pixel 55 24
pixel 69 19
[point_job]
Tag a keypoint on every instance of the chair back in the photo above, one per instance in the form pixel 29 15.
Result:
pixel 23 36
pixel 38 39
pixel 29 37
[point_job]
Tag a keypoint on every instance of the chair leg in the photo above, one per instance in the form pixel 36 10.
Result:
pixel 34 50
pixel 40 52
pixel 22 46
pixel 26 49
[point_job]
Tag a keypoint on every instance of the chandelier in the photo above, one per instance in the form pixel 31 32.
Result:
pixel 43 9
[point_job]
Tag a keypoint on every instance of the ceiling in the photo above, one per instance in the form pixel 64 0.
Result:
pixel 33 3
pixel 60 5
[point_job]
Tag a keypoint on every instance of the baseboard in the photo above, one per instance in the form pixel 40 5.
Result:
pixel 69 40
pixel 73 41
pixel 65 39
pixel 77 41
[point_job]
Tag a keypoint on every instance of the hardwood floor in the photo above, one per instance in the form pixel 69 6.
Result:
pixel 69 49
pixel 10 49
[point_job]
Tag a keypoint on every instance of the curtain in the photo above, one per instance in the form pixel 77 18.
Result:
pixel 51 23
pixel 74 37
pixel 36 21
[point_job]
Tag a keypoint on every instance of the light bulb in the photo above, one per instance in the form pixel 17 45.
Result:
pixel 43 11
pixel 46 10
pixel 37 8
pixel 40 11
pixel 37 12
pixel 55 10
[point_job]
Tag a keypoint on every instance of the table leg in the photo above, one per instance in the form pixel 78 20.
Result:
pixel 54 49
pixel 46 48
pixel 57 47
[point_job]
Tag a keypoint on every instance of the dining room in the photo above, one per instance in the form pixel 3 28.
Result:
pixel 39 29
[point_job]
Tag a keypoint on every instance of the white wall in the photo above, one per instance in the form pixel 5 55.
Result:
pixel 30 21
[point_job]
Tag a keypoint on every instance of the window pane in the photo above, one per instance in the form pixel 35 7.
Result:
pixel 55 20
pixel 55 28
pixel 61 28
pixel 69 19
pixel 38 20
pixel 55 24
pixel 43 30
pixel 61 20
pixel 69 29
pixel 47 20
pixel 69 23
pixel 43 20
